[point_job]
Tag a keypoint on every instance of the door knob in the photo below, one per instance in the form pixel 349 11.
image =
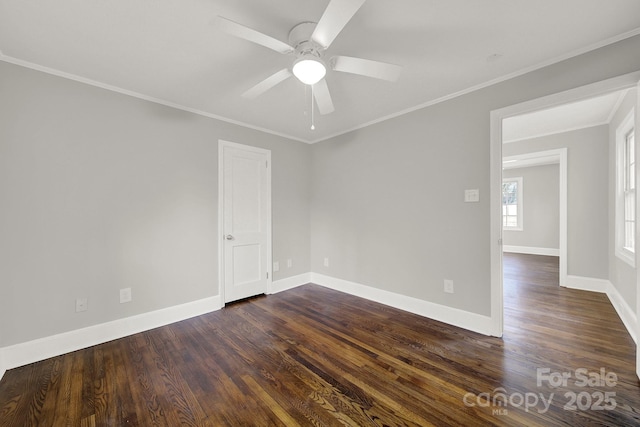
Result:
pixel 229 237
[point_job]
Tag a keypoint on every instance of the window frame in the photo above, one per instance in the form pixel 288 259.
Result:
pixel 520 213
pixel 625 190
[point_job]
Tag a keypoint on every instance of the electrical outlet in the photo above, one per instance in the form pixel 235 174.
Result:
pixel 81 304
pixel 125 295
pixel 289 263
pixel 326 262
pixel 448 286
pixel 276 266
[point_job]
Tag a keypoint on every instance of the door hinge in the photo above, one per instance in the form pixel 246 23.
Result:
pixel 500 242
pixel 266 164
pixel 267 275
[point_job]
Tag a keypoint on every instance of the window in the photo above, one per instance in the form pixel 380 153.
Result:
pixel 512 204
pixel 626 191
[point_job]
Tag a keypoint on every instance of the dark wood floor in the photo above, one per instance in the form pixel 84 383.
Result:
pixel 313 356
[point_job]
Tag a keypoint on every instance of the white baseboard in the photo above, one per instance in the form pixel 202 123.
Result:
pixel 3 365
pixel 55 345
pixel 531 250
pixel 43 348
pixel 588 284
pixel 290 283
pixel 453 316
pixel 626 314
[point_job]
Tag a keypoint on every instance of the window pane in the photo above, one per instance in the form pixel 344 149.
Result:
pixel 629 220
pixel 631 160
pixel 629 206
pixel 629 231
pixel 510 203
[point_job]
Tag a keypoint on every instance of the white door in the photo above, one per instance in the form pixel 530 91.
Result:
pixel 245 175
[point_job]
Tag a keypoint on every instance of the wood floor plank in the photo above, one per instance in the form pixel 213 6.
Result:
pixel 312 356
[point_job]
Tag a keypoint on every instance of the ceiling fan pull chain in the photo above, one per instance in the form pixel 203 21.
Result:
pixel 313 127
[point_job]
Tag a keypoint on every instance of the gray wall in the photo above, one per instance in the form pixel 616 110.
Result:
pixel 541 207
pixel 101 191
pixel 387 201
pixel 621 274
pixel 588 189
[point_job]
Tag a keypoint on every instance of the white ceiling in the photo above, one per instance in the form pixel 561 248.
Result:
pixel 563 118
pixel 170 51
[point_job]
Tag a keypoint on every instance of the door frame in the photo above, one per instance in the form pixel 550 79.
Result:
pixel 222 144
pixel 555 156
pixel 625 81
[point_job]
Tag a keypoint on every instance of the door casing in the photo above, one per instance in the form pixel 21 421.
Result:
pixel 625 81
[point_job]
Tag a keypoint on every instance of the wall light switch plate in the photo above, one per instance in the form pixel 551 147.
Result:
pixel 276 266
pixel 472 195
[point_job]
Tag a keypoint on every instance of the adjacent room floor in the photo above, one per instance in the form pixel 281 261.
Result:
pixel 314 356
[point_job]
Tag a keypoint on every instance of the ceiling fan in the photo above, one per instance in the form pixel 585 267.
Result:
pixel 307 42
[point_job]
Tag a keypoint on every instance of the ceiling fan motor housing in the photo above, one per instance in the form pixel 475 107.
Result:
pixel 300 39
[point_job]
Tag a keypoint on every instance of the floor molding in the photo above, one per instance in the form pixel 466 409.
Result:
pixel 290 283
pixel 626 314
pixel 43 348
pixel 588 284
pixel 55 345
pixel 453 316
pixel 531 250
pixel 3 365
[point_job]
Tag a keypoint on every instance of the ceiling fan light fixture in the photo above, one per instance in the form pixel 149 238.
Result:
pixel 309 69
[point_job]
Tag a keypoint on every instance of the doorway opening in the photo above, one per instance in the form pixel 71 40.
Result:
pixel 498 117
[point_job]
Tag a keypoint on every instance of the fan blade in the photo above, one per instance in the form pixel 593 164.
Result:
pixel 366 67
pixel 323 97
pixel 239 30
pixel 334 19
pixel 267 84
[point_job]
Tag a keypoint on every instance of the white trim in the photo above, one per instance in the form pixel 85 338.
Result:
pixel 637 284
pixel 55 345
pixel 625 81
pixel 626 314
pixel 3 364
pixel 111 88
pixel 477 87
pixel 587 284
pixel 221 146
pixel 531 250
pixel 556 132
pixel 542 158
pixel 501 79
pixel 558 156
pixel 617 105
pixel 627 124
pixel 452 316
pixel 495 222
pixel 290 283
